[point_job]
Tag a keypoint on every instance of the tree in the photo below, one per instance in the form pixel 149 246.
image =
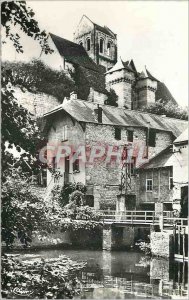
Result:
pixel 16 13
pixel 169 109
pixel 112 98
pixel 19 131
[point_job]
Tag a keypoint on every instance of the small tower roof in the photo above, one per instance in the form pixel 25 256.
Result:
pixel 146 74
pixel 118 66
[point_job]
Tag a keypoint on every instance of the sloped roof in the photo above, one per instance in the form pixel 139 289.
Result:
pixel 84 111
pixel 164 93
pixel 162 159
pixel 73 52
pixel 105 30
pixel 183 138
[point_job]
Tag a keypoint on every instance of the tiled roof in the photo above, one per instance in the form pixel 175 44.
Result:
pixel 73 52
pixel 162 159
pixel 84 111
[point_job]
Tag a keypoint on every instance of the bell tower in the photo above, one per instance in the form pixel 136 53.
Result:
pixel 99 42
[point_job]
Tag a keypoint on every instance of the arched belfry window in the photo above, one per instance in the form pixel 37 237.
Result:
pixel 109 48
pixel 101 45
pixel 88 44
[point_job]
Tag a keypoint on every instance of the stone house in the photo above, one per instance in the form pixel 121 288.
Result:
pixel 164 179
pixel 82 123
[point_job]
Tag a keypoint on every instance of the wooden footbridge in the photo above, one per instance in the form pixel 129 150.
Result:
pixel 145 218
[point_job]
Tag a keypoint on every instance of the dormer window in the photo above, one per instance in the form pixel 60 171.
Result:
pixel 101 45
pixel 88 44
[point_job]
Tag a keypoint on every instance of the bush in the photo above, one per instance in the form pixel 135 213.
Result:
pixel 112 98
pixel 169 109
pixel 35 76
pixel 54 278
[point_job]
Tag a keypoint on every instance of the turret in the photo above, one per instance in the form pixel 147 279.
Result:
pixel 120 78
pixel 146 87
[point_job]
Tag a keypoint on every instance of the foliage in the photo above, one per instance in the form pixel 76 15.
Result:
pixel 73 213
pixel 35 76
pixel 68 189
pixel 112 98
pixel 16 13
pixel 144 247
pixel 169 109
pixel 22 212
pixel 18 129
pixel 54 278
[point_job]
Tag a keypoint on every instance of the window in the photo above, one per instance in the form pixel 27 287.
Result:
pixel 88 44
pixel 64 133
pixel 149 185
pixel 171 185
pixel 132 166
pixel 101 45
pixel 109 48
pixel 76 165
pixel 130 135
pixel 81 43
pixel 152 137
pixel 117 133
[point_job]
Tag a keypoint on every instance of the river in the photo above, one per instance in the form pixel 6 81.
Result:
pixel 126 275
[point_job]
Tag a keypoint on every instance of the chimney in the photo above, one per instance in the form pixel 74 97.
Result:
pixel 98 112
pixel 73 96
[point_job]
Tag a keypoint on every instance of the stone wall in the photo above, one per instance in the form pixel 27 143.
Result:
pixel 162 244
pixel 37 104
pixel 97 97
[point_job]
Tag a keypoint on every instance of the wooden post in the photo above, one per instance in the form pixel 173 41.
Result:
pixel 153 216
pixel 178 239
pixel 174 238
pixel 183 244
pixel 145 216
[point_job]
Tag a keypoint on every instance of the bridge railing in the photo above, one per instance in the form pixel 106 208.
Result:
pixel 141 216
pixel 130 217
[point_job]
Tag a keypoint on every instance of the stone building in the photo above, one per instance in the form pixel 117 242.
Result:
pixel 99 42
pixel 164 179
pixel 135 89
pixel 93 57
pixel 78 123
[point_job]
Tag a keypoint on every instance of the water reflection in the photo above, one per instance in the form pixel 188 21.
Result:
pixel 127 275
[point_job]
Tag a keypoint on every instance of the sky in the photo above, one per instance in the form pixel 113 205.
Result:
pixel 153 33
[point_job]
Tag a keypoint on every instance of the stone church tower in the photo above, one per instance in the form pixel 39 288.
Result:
pixel 99 42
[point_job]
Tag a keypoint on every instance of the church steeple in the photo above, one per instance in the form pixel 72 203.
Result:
pixel 99 42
